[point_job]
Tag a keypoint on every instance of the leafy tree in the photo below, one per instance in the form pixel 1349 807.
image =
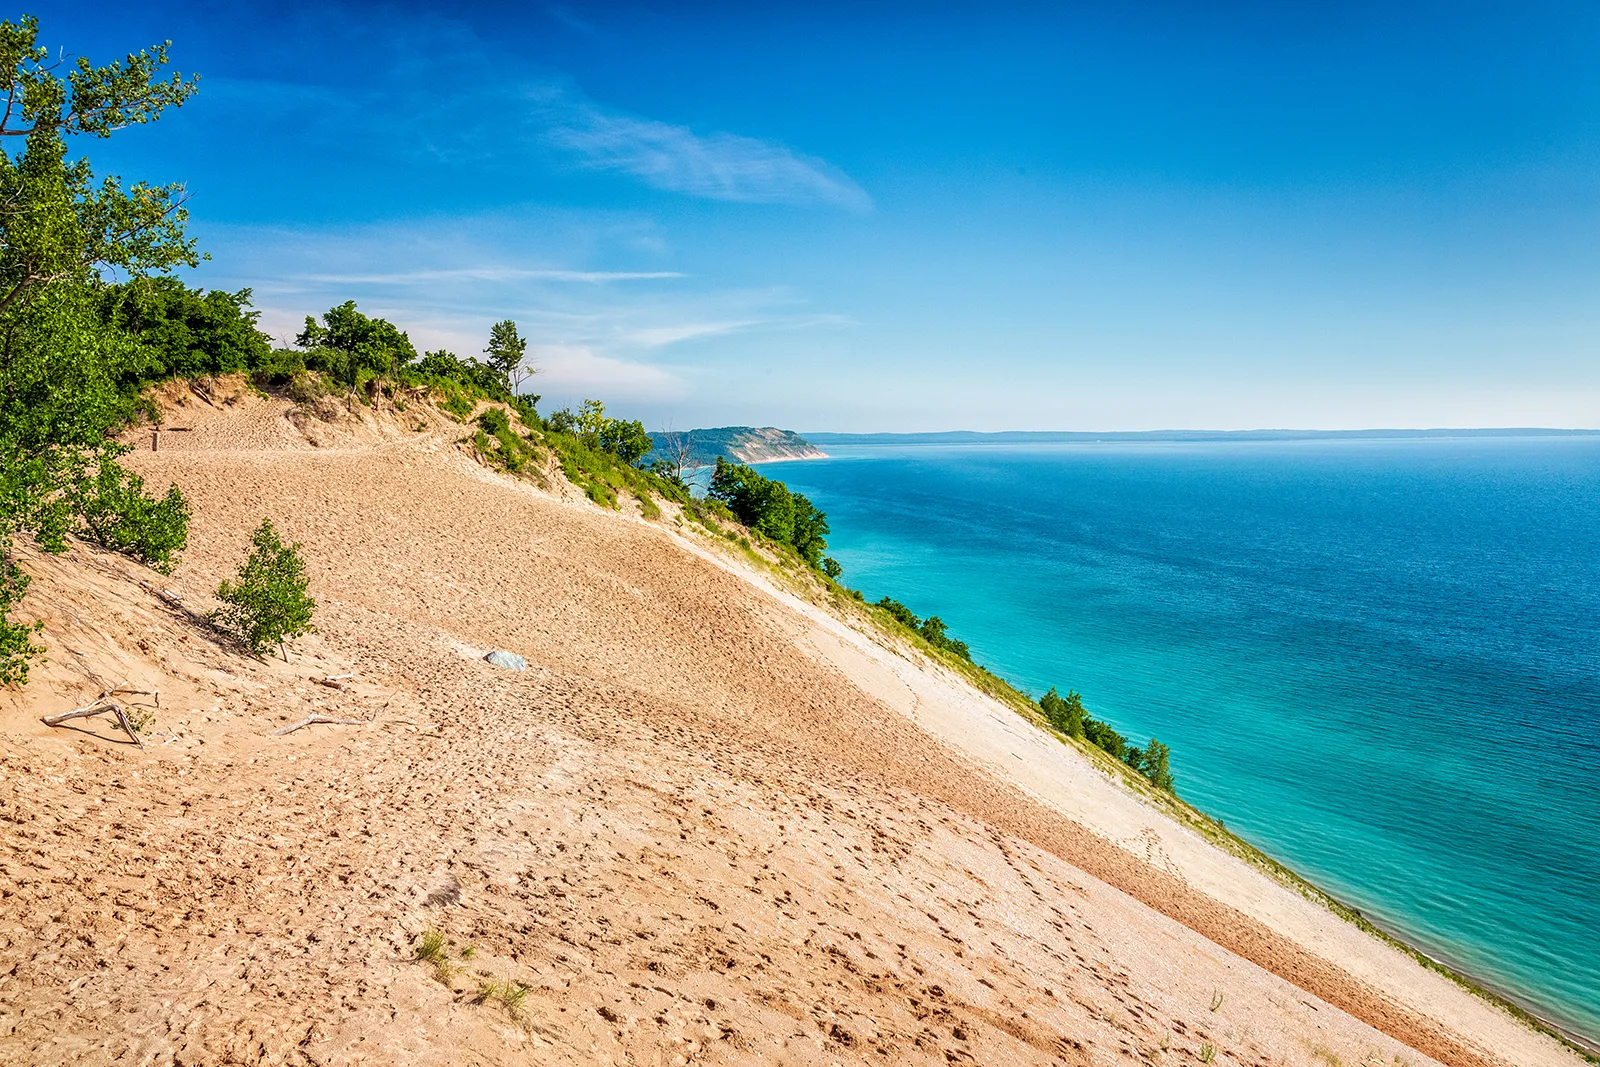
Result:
pixel 831 567
pixel 268 605
pixel 355 347
pixel 770 508
pixel 506 351
pixel 628 440
pixel 60 362
pixel 591 422
pixel 901 613
pixel 810 530
pixel 183 332
pixel 1107 739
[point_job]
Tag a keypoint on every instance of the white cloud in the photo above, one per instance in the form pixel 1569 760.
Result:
pixel 578 370
pixel 718 166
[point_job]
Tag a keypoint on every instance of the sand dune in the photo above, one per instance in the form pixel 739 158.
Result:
pixel 709 824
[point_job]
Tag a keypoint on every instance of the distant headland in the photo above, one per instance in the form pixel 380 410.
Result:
pixel 747 444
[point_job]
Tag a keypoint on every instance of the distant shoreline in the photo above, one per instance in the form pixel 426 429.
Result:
pixel 823 437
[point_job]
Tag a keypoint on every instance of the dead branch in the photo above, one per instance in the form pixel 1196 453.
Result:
pixel 79 713
pixel 311 720
pixel 98 707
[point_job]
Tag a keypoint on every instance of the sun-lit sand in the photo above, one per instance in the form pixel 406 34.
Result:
pixel 711 823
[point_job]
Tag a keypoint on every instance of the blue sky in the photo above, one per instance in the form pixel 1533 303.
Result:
pixel 909 217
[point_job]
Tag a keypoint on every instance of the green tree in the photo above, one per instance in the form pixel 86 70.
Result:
pixel 60 230
pixel 770 508
pixel 183 332
pixel 1065 713
pixel 268 604
pixel 1156 765
pixel 16 639
pixel 356 348
pixel 627 440
pixel 506 350
pixel 832 567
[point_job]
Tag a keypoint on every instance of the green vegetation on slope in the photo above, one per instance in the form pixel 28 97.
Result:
pixel 62 364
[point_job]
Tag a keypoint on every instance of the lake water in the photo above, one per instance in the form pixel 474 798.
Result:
pixel 1377 660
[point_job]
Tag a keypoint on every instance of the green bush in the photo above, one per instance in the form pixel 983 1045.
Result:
pixel 117 513
pixel 268 605
pixel 513 452
pixel 16 646
pixel 932 629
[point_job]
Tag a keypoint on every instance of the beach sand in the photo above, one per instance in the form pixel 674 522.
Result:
pixel 711 823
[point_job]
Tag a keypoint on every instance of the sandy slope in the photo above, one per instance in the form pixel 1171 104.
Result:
pixel 706 825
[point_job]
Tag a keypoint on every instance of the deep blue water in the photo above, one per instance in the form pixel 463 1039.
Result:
pixel 1376 660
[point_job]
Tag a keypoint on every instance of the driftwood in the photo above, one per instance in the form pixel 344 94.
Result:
pixel 311 720
pixel 103 704
pixel 334 681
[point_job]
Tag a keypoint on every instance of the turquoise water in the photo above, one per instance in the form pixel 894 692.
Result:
pixel 1376 660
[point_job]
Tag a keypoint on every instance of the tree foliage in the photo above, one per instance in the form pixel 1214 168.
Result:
pixel 771 509
pixel 16 638
pixel 1067 714
pixel 932 629
pixel 268 604
pixel 625 439
pixel 60 232
pixel 182 332
pixel 353 347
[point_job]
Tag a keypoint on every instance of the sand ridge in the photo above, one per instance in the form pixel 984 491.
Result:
pixel 689 835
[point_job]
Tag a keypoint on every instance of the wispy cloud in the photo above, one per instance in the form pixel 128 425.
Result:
pixel 718 166
pixel 656 336
pixel 492 274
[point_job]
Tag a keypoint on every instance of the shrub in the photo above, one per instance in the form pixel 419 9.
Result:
pixel 16 646
pixel 1104 737
pixel 268 605
pixel 494 421
pixel 117 513
pixel 831 568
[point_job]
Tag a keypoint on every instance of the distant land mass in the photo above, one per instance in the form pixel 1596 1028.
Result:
pixel 962 437
pixel 747 444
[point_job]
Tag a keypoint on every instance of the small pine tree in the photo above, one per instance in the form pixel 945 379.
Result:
pixel 268 605
pixel 506 350
pixel 1157 766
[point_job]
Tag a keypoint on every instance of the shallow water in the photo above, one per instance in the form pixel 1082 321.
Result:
pixel 1376 660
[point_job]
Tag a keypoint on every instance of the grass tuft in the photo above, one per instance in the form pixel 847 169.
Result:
pixel 509 994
